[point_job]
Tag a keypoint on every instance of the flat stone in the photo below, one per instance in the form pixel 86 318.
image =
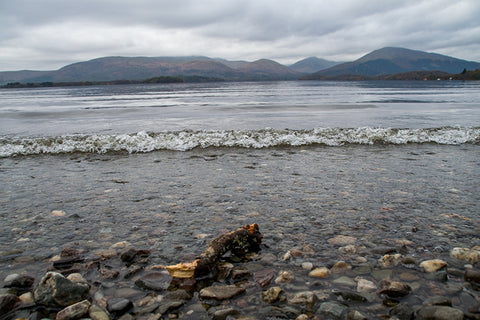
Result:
pixel 221 292
pixel 340 267
pixel 306 298
pixel 472 275
pixel 364 285
pixel 18 281
pixel 438 301
pixel 350 296
pixel 465 254
pixel 74 311
pixel 342 240
pixel 156 281
pixel 225 313
pixel 439 313
pixel 97 313
pixel 119 306
pixel 402 311
pixel 344 281
pixel 264 277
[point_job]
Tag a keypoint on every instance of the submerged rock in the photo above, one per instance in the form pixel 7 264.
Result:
pixel 56 290
pixel 433 265
pixel 394 289
pixel 221 292
pixel 74 311
pixel 342 240
pixel 465 254
pixel 322 272
pixel 273 294
pixel 439 313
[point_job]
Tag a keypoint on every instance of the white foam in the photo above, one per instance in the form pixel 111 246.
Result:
pixel 141 142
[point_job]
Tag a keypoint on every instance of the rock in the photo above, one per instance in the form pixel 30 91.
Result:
pixel 225 313
pixel 433 265
pixel 128 255
pixel 344 281
pixel 383 250
pixel 348 249
pixel 333 309
pixel 438 301
pixel 350 296
pixel 472 276
pixel 240 274
pixel 97 313
pixel 402 311
pixel 58 213
pixel 321 272
pixel 56 290
pixel 394 289
pixel 284 277
pixel 7 303
pixel 273 294
pixel 364 285
pixel 108 273
pixel 356 315
pixel 76 277
pixel 306 298
pixel 264 277
pixel 74 311
pixel 465 254
pixel 302 317
pixel 119 306
pixel 167 306
pixel 342 240
pixel 409 261
pixel 156 281
pixel 340 267
pixel 390 260
pixel 27 299
pixel 307 265
pixel 20 282
pixel 221 292
pixel 439 313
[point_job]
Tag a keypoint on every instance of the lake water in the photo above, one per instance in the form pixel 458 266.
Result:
pixel 169 167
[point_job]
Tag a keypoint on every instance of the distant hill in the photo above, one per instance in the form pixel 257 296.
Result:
pixel 137 68
pixel 392 60
pixel 312 64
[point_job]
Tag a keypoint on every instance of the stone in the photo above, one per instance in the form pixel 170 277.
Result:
pixel 340 267
pixel 27 298
pixel 322 272
pixel 76 277
pixel 20 282
pixel 156 281
pixel 240 274
pixel 333 309
pixel 438 301
pixel 390 260
pixel 264 277
pixel 465 254
pixel 97 313
pixel 221 292
pixel 74 311
pixel 364 285
pixel 472 276
pixel 167 306
pixel 350 296
pixel 58 213
pixel 439 313
pixel 342 240
pixel 344 281
pixel 306 298
pixel 402 311
pixel 273 294
pixel 7 303
pixel 356 315
pixel 307 266
pixel 433 265
pixel 119 306
pixel 284 277
pixel 56 290
pixel 224 313
pixel 348 249
pixel 394 289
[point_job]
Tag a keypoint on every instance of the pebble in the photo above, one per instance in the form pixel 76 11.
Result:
pixel 273 294
pixel 465 254
pixel 394 289
pixel 439 313
pixel 97 313
pixel 340 267
pixel 364 285
pixel 390 260
pixel 119 306
pixel 74 311
pixel 284 277
pixel 322 272
pixel 433 265
pixel 332 308
pixel 344 281
pixel 307 266
pixel 221 292
pixel 342 240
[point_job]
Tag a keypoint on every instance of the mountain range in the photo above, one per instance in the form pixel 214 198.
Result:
pixel 380 62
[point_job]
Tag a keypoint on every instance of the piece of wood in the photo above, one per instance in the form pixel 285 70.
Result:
pixel 240 241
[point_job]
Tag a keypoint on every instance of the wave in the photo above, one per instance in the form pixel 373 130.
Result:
pixel 141 142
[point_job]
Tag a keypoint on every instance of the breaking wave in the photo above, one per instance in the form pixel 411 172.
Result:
pixel 141 142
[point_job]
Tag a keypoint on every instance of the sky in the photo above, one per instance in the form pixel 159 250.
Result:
pixel 49 34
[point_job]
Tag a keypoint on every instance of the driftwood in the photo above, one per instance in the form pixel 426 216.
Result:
pixel 242 240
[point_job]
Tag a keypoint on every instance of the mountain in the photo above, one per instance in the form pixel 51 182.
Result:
pixel 312 64
pixel 392 60
pixel 138 68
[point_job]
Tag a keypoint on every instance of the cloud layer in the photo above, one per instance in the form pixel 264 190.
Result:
pixel 48 34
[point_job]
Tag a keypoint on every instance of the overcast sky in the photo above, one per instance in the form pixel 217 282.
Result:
pixel 48 34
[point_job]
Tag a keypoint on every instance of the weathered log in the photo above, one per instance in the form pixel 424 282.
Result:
pixel 240 241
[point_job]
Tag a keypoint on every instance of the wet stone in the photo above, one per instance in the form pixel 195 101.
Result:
pixel 344 281
pixel 20 282
pixel 364 285
pixel 322 272
pixel 264 277
pixel 97 313
pixel 472 276
pixel 7 303
pixel 439 313
pixel 56 290
pixel 240 274
pixel 224 313
pixel 356 315
pixel 306 298
pixel 350 296
pixel 465 254
pixel 221 292
pixel 438 301
pixel 74 311
pixel 333 309
pixel 402 311
pixel 273 294
pixel 342 240
pixel 119 306
pixel 394 289
pixel 433 265
pixel 156 281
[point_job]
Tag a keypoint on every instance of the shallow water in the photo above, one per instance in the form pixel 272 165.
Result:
pixel 299 196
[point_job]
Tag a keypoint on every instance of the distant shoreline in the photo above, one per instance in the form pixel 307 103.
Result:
pixel 407 76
